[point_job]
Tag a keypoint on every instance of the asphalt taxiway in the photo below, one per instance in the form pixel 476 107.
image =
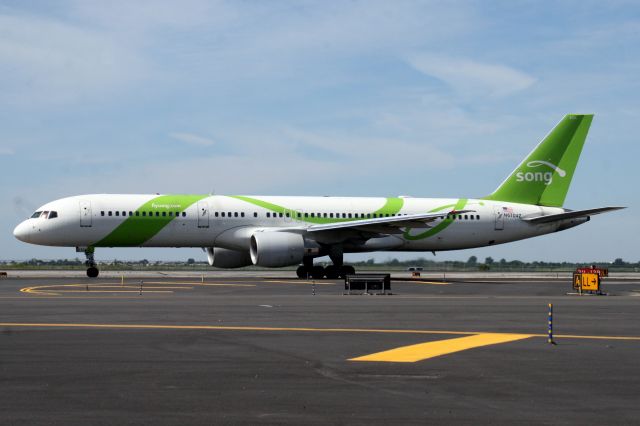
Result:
pixel 229 349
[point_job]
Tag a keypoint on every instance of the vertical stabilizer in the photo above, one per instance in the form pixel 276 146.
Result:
pixel 543 178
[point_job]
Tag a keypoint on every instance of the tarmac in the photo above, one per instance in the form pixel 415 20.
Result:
pixel 237 348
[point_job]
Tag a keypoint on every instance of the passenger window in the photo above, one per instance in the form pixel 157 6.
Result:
pixel 280 214
pixel 241 214
pixel 216 214
pixel 299 214
pixel 306 215
pixel 184 214
pixel 287 214
pixel 164 214
pixel 137 213
pixel 268 214
pixel 143 214
pixel 313 214
pixel 255 214
pixel 235 214
pixel 344 215
pixel 53 215
pixel 157 214
pixel 349 215
pixel 117 213
pixel 466 217
pixel 330 214
pixel 102 213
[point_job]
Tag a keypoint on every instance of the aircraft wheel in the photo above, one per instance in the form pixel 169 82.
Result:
pixel 92 272
pixel 302 272
pixel 332 272
pixel 347 270
pixel 317 272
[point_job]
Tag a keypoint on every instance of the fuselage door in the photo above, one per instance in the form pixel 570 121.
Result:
pixel 499 218
pixel 85 213
pixel 203 214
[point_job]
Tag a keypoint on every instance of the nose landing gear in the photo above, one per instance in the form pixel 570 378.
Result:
pixel 92 269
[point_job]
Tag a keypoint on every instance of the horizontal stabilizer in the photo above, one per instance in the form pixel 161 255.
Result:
pixel 571 214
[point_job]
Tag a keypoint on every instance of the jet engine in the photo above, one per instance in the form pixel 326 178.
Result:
pixel 275 249
pixel 225 258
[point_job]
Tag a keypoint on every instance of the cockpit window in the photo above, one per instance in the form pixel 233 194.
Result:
pixel 53 214
pixel 36 215
pixel 45 214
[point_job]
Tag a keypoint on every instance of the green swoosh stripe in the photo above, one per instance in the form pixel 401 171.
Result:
pixel 439 227
pixel 392 206
pixel 136 230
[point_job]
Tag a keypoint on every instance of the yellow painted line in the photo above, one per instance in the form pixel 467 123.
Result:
pixel 114 291
pixel 95 287
pixel 298 329
pixel 300 282
pixel 422 351
pixel 197 283
pixel 577 336
pixel 423 282
pixel 58 289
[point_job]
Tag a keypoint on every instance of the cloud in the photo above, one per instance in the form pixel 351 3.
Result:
pixel 191 139
pixel 7 151
pixel 468 77
pixel 45 61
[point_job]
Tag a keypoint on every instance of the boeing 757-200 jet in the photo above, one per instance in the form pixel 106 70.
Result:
pixel 237 231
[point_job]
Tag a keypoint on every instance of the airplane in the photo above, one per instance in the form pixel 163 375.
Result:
pixel 273 231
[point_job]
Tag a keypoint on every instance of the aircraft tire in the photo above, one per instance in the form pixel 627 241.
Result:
pixel 332 272
pixel 302 272
pixel 317 272
pixel 92 272
pixel 346 270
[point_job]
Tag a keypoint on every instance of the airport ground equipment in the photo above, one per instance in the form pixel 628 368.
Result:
pixel 588 280
pixel 3 274
pixel 367 283
pixel 415 271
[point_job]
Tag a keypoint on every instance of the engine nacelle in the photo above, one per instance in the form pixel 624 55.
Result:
pixel 275 249
pixel 224 258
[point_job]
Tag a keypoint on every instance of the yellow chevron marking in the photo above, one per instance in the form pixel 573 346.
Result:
pixel 427 350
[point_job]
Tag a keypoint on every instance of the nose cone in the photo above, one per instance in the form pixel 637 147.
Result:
pixel 22 232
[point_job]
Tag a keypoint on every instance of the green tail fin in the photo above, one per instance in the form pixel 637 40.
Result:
pixel 543 178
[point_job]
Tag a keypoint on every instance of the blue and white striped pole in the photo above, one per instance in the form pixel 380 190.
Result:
pixel 550 338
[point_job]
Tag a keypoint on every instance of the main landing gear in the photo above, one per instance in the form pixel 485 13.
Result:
pixel 337 270
pixel 92 269
pixel 331 272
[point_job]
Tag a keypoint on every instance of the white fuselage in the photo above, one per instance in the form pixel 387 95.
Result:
pixel 228 222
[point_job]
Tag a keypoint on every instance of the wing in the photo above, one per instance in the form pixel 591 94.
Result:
pixel 386 225
pixel 571 214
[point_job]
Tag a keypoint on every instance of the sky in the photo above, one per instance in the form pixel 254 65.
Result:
pixel 348 98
